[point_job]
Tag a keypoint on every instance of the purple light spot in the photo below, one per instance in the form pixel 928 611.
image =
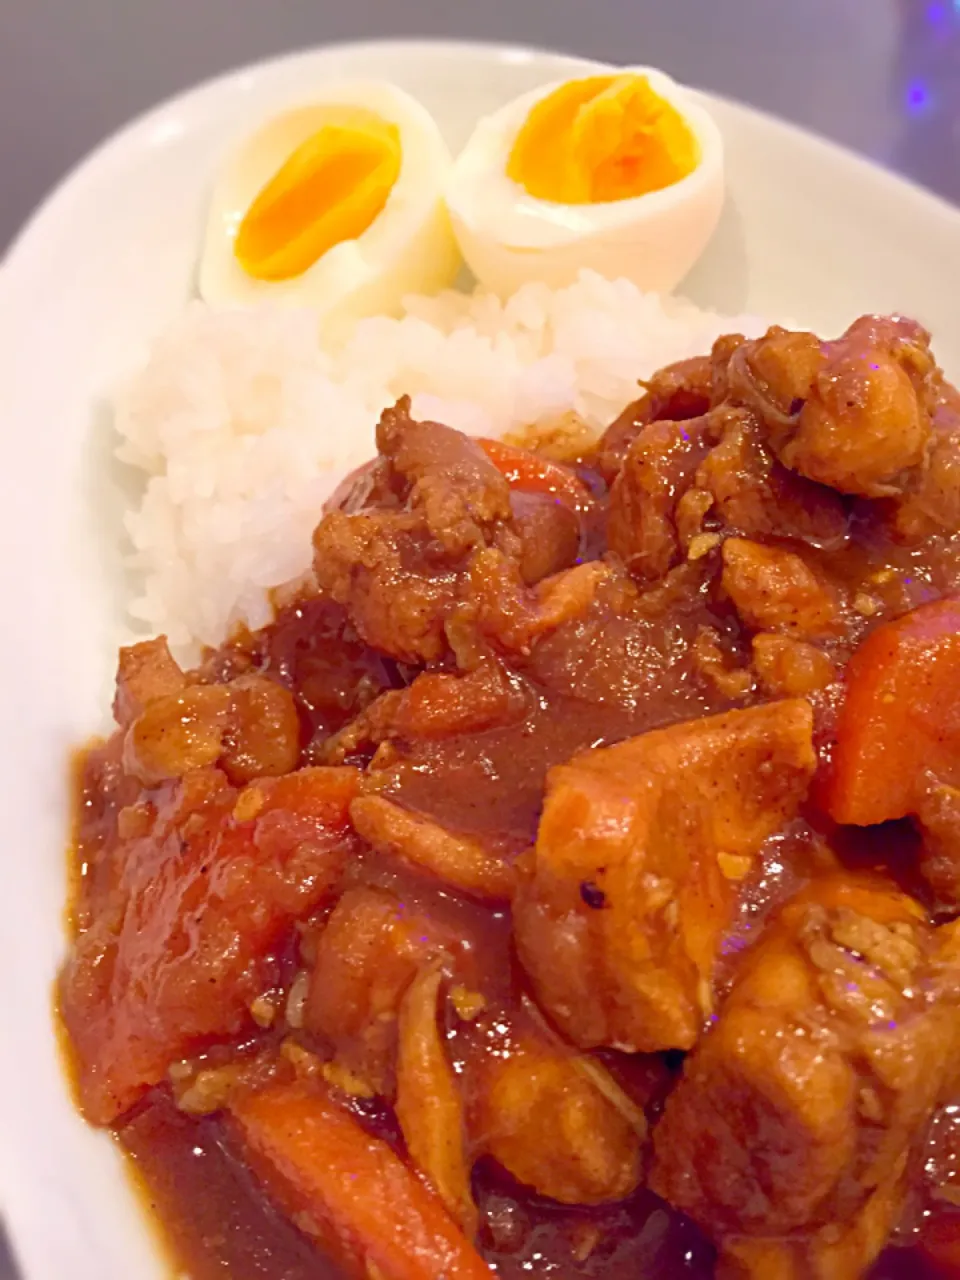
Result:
pixel 874 366
pixel 918 98
pixel 937 13
pixel 892 1025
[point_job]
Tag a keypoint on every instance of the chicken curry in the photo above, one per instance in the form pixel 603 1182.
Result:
pixel 565 883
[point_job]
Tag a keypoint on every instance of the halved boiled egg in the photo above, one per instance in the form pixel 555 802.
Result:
pixel 621 173
pixel 336 205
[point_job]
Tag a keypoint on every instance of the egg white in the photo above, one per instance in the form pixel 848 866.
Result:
pixel 409 246
pixel 509 237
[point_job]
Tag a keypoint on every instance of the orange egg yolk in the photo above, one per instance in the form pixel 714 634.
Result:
pixel 600 139
pixel 329 190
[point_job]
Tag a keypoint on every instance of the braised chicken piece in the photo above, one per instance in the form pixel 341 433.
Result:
pixel 790 668
pixel 682 483
pixel 554 1118
pixel 639 853
pixel 368 953
pixel 145 672
pixel 743 485
pixel 248 726
pixel 776 590
pixel 930 501
pixel 436 705
pixel 834 1046
pixel 675 393
pixel 852 414
pixel 644 526
pixel 567 881
pixel 448 538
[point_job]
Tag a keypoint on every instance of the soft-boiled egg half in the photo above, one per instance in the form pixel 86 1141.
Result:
pixel 621 173
pixel 336 205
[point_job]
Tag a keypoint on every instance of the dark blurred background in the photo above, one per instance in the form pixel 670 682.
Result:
pixel 882 76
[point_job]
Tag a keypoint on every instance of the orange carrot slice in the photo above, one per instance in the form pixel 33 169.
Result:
pixel 527 471
pixel 349 1190
pixel 900 718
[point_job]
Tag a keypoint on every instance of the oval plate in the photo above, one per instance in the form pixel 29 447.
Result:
pixel 810 232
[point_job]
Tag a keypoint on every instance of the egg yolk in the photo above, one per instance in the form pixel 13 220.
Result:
pixel 329 190
pixel 600 139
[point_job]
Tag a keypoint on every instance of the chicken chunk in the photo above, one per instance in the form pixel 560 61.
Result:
pixel 938 817
pixel 659 466
pixel 549 534
pixel 450 549
pixel 249 727
pixel 861 427
pixel 676 392
pixel 436 705
pixel 775 590
pixel 852 414
pixel 841 1251
pixel 930 502
pixel 633 878
pixel 369 952
pixel 751 492
pixel 790 668
pixel 682 479
pixel 395 584
pixel 834 1045
pixel 395 566
pixel 499 609
pixel 145 671
pixel 444 473
pixel 553 1118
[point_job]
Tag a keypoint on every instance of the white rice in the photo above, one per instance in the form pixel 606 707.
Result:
pixel 243 424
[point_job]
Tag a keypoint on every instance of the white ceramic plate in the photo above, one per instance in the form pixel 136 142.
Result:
pixel 810 232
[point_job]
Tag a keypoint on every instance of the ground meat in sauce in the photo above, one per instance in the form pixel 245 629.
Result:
pixel 575 862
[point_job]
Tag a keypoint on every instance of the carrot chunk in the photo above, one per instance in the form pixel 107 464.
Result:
pixel 900 719
pixel 186 942
pixel 527 471
pixel 349 1190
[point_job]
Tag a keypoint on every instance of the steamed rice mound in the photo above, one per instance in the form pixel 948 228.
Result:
pixel 244 425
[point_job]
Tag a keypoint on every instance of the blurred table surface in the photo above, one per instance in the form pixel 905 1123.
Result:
pixel 881 76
